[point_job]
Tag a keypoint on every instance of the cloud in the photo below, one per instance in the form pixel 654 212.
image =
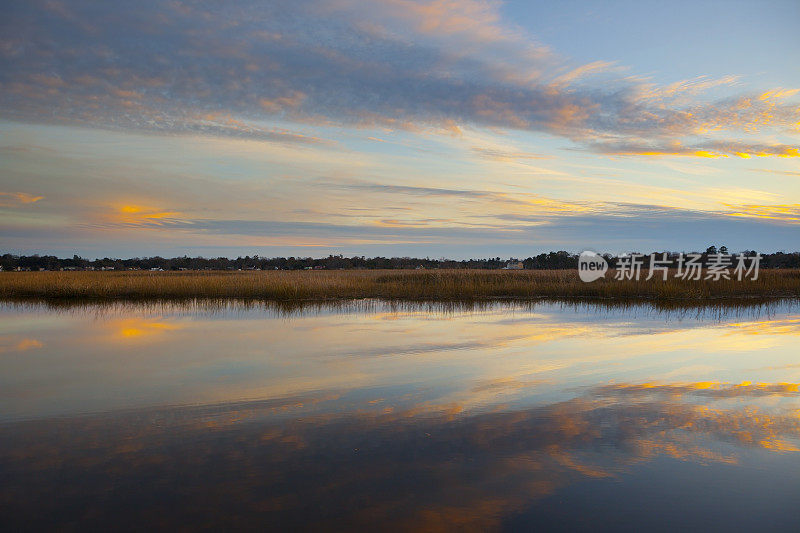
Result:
pixel 480 470
pixel 8 344
pixel 505 155
pixel 784 213
pixel 706 389
pixel 685 87
pixel 10 199
pixel 582 71
pixel 416 191
pixel 128 329
pixel 486 218
pixel 200 68
pixel 783 172
pixel 706 149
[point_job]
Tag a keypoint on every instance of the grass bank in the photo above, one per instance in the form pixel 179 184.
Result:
pixel 386 284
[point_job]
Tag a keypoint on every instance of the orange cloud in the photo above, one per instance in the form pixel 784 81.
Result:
pixel 136 328
pixel 9 199
pixel 136 215
pixel 584 70
pixel 786 213
pixel 9 345
pixel 708 150
pixel 28 344
pixel 778 94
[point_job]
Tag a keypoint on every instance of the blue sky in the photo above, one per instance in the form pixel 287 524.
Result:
pixel 397 127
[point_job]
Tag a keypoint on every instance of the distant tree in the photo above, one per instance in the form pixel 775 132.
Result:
pixel 550 261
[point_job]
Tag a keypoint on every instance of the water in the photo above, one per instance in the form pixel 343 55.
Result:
pixel 366 415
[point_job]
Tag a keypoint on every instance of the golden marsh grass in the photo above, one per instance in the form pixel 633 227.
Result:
pixel 384 284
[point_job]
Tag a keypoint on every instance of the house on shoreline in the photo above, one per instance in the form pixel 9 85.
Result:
pixel 513 265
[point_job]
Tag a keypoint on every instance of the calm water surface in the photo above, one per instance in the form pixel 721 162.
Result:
pixel 399 417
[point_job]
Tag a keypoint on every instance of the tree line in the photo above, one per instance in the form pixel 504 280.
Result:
pixel 544 261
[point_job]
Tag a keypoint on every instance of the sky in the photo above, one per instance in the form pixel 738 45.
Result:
pixel 437 128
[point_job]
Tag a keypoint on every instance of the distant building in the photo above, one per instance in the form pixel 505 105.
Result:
pixel 514 265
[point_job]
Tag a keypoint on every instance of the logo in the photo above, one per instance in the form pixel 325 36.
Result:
pixel 591 266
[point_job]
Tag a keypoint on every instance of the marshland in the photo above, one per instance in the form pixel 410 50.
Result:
pixel 433 285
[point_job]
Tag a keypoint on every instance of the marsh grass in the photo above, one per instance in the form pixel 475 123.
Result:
pixel 429 285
